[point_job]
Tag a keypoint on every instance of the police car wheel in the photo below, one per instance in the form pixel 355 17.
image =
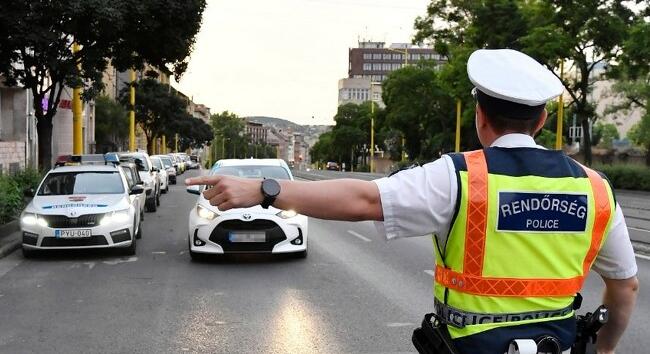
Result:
pixel 158 200
pixel 151 205
pixel 138 235
pixel 29 253
pixel 164 191
pixel 130 251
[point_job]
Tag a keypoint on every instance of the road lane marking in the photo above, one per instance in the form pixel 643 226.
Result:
pixel 637 229
pixel 359 236
pixel 158 252
pixel 123 260
pixel 430 272
pixel 642 256
pixel 399 324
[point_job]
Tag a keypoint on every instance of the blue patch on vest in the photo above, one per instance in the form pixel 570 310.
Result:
pixel 542 212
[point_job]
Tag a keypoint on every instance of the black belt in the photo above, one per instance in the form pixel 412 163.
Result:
pixel 459 318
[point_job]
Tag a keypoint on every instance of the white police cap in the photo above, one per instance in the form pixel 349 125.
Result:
pixel 512 76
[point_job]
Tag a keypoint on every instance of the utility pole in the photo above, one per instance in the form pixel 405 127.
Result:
pixel 176 147
pixel 458 125
pixel 132 113
pixel 77 120
pixel 560 113
pixel 372 136
pixel 164 144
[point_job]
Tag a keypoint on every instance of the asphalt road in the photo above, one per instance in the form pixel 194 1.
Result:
pixel 355 293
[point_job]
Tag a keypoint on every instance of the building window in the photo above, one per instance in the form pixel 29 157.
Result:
pixel 367 66
pixel 426 56
pixel 386 67
pixel 376 67
pixel 397 56
pixel 367 56
pixel 386 56
pixel 376 78
pixel 376 96
pixel 415 57
pixel 395 66
pixel 376 56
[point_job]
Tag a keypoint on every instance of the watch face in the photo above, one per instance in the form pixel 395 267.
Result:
pixel 271 187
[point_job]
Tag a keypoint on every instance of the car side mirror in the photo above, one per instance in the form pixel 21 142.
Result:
pixel 140 183
pixel 194 190
pixel 137 189
pixel 29 192
pixel 155 169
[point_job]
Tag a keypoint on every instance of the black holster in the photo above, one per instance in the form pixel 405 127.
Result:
pixel 433 337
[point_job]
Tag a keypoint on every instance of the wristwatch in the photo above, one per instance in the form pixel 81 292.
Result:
pixel 270 191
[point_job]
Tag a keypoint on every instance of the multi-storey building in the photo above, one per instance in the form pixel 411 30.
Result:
pixel 257 132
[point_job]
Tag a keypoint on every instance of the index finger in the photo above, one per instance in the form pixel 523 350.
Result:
pixel 202 180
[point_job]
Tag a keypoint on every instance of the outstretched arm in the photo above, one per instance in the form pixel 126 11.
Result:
pixel 341 199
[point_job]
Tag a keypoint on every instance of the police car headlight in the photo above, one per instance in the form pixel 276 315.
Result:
pixel 205 213
pixel 31 219
pixel 287 214
pixel 119 216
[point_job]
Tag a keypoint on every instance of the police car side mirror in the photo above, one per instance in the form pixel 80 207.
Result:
pixel 29 192
pixel 194 190
pixel 137 189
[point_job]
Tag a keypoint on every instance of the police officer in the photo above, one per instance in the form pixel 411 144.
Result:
pixel 516 227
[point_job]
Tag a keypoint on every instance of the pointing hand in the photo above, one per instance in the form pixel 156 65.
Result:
pixel 228 192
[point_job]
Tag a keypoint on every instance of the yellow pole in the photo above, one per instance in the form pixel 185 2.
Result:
pixel 132 113
pixel 458 125
pixel 403 148
pixel 406 57
pixel 164 144
pixel 372 136
pixel 560 114
pixel 176 147
pixel 77 121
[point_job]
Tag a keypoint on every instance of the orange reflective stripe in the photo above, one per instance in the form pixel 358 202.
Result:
pixel 506 287
pixel 602 215
pixel 477 205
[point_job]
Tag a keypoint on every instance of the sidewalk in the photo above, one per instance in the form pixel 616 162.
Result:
pixel 9 238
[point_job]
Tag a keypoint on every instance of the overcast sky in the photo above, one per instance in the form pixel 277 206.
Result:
pixel 283 58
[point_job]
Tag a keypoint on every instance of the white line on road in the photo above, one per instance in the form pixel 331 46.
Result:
pixel 359 236
pixel 642 256
pixel 637 229
pixel 430 272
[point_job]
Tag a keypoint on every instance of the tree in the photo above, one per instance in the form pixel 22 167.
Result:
pixel 229 130
pixel 604 134
pixel 587 34
pixel 323 151
pixel 640 134
pixel 37 38
pixel 157 108
pixel 192 132
pixel 421 109
pixel 111 125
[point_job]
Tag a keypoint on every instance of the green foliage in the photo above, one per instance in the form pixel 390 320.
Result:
pixel 604 134
pixel 111 124
pixel 627 176
pixel 546 138
pixel 231 139
pixel 419 107
pixel 37 37
pixel 11 192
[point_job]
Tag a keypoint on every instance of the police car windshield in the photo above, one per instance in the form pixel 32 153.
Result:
pixel 275 172
pixel 67 183
pixel 156 163
pixel 166 161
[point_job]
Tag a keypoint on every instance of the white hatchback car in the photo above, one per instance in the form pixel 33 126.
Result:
pixel 246 230
pixel 86 206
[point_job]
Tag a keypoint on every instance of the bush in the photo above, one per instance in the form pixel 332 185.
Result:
pixel 627 176
pixel 11 193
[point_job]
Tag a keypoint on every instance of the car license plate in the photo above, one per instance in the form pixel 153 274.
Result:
pixel 247 236
pixel 77 233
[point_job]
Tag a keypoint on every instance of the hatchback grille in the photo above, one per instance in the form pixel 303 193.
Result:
pixel 64 222
pixel 96 240
pixel 274 235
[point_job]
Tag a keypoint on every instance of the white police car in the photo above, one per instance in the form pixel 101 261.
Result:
pixel 84 206
pixel 246 230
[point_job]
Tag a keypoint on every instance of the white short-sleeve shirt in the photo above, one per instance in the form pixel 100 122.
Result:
pixel 421 201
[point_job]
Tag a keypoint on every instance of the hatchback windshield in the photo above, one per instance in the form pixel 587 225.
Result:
pixel 275 172
pixel 67 183
pixel 156 163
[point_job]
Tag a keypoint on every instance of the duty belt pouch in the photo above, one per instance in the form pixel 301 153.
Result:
pixel 433 337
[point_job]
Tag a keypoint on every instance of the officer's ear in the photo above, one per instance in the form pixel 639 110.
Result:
pixel 540 122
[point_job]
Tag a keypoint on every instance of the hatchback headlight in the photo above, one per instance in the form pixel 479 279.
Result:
pixel 287 214
pixel 116 217
pixel 205 213
pixel 31 219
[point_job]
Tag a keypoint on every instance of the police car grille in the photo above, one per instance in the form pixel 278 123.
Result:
pixel 64 222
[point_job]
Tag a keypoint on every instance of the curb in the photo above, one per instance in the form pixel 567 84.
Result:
pixel 8 248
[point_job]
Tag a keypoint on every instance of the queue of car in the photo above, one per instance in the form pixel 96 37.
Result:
pixel 100 201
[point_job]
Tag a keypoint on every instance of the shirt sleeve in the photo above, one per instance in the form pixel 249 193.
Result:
pixel 616 258
pixel 418 201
